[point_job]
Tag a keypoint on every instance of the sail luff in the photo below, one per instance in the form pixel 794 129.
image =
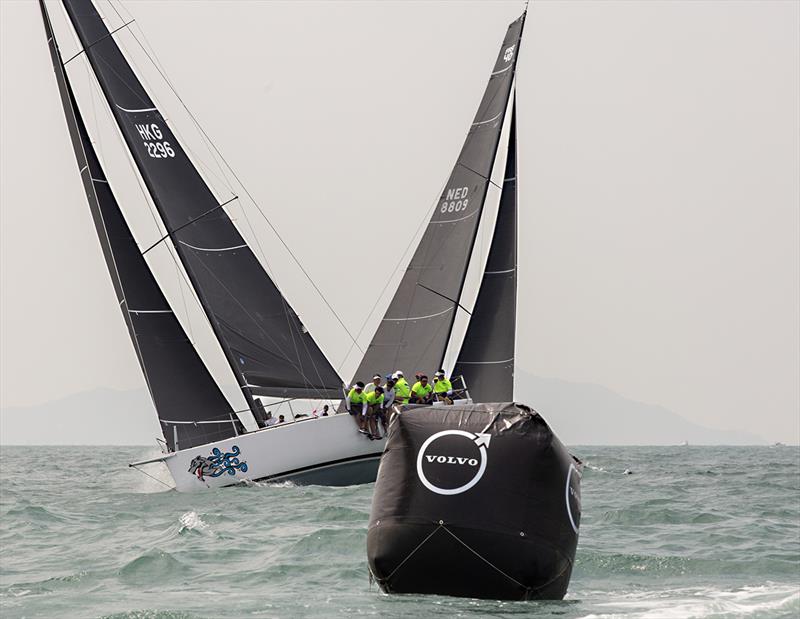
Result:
pixel 181 388
pixel 266 345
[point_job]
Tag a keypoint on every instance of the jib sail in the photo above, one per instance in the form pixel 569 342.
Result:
pixel 486 360
pixel 190 405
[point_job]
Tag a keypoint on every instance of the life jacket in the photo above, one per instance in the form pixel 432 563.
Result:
pixel 401 390
pixel 355 397
pixel 442 385
pixel 420 391
pixel 374 398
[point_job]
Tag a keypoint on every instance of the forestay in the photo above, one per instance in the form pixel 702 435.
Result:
pixel 181 387
pixel 415 330
pixel 268 348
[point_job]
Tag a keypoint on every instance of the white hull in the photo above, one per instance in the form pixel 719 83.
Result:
pixel 327 450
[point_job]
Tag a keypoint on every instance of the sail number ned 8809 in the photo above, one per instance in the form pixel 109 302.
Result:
pixel 455 200
pixel 151 138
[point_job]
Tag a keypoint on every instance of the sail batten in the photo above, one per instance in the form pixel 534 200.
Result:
pixel 180 385
pixel 417 327
pixel 262 337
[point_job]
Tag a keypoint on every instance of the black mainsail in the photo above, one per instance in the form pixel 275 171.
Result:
pixel 486 359
pixel 190 406
pixel 270 351
pixel 416 329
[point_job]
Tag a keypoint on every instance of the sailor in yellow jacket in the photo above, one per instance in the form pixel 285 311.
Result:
pixel 356 405
pixel 402 392
pixel 421 392
pixel 374 404
pixel 442 388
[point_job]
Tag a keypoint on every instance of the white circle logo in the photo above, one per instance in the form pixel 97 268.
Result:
pixel 452 461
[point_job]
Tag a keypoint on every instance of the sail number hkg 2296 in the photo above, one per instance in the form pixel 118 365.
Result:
pixel 455 200
pixel 151 138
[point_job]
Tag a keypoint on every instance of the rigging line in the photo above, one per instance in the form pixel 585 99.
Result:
pixel 399 565
pixel 414 236
pixel 257 324
pixel 189 223
pixel 249 195
pixel 102 38
pixel 445 297
pixel 486 178
pixel 482 558
pixel 136 468
pixel 155 61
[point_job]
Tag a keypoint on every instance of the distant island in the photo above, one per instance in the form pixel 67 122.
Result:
pixel 580 413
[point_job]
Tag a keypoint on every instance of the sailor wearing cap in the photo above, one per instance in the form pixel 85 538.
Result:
pixel 376 382
pixel 356 405
pixel 442 387
pixel 401 389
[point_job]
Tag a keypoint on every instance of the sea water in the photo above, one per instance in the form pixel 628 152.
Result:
pixel 690 532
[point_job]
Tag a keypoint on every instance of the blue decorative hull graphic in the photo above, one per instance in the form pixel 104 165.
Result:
pixel 218 463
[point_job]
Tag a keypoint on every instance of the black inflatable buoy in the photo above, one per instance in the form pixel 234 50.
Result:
pixel 477 500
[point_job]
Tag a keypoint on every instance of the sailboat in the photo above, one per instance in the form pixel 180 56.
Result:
pixel 269 351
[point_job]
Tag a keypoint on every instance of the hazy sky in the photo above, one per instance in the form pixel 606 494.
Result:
pixel 659 149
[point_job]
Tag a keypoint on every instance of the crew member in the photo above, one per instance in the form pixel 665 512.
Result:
pixel 401 388
pixel 421 392
pixel 376 381
pixel 442 388
pixel 374 401
pixel 356 405
pixel 386 409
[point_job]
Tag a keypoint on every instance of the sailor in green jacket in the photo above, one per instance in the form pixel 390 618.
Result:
pixel 401 389
pixel 356 405
pixel 442 388
pixel 421 392
pixel 374 401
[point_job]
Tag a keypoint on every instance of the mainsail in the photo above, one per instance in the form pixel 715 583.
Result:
pixel 191 408
pixel 416 329
pixel 486 359
pixel 270 351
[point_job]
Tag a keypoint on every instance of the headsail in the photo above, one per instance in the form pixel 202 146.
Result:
pixel 270 351
pixel 486 360
pixel 190 405
pixel 416 329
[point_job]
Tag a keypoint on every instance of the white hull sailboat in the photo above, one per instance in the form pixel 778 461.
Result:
pixel 458 294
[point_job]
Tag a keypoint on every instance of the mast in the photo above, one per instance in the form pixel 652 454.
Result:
pixel 269 350
pixel 417 327
pixel 190 406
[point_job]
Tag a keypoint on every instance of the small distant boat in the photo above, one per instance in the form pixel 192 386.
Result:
pixel 478 499
pixel 270 352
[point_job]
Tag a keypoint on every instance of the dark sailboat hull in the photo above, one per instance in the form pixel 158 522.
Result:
pixel 480 501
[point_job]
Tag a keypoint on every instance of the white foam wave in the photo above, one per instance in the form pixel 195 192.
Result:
pixel 192 521
pixel 702 602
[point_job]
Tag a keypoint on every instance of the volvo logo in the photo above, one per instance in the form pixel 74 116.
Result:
pixel 452 461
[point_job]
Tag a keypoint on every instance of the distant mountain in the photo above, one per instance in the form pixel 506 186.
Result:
pixel 585 414
pixel 581 414
pixel 99 417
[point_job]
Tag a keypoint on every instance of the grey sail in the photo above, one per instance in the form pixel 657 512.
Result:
pixel 415 330
pixel 270 351
pixel 486 359
pixel 189 403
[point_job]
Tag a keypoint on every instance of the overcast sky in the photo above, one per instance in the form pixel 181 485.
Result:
pixel 659 149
